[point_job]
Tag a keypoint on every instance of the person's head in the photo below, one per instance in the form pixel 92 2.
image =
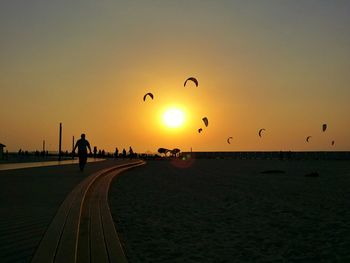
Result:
pixel 82 135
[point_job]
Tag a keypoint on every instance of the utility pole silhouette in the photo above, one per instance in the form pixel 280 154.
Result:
pixel 60 143
pixel 73 148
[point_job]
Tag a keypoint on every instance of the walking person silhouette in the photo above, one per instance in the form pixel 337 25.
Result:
pixel 82 145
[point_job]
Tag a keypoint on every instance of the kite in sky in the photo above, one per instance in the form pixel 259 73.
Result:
pixel 191 79
pixel 206 122
pixel 260 132
pixel 148 94
pixel 324 127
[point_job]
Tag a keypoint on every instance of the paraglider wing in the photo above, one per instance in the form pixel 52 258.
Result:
pixel 260 132
pixel 228 140
pixel 192 79
pixel 308 138
pixel 333 143
pixel 206 122
pixel 148 94
pixel 200 130
pixel 324 127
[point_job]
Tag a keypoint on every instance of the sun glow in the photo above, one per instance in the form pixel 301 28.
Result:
pixel 173 118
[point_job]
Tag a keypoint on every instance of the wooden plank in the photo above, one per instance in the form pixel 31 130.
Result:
pixel 46 252
pixel 98 246
pixel 47 248
pixel 113 244
pixel 83 249
pixel 67 249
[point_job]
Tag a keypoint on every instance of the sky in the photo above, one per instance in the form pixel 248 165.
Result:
pixel 282 65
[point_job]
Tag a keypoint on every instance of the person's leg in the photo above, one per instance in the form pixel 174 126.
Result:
pixel 82 159
pixel 81 162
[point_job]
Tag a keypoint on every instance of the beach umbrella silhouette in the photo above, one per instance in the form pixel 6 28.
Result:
pixel 260 132
pixel 175 151
pixel 163 150
pixel 191 79
pixel 148 94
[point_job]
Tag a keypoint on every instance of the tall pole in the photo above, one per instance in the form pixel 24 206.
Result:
pixel 43 146
pixel 60 143
pixel 73 148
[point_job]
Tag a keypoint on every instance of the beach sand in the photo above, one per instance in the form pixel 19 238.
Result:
pixel 228 211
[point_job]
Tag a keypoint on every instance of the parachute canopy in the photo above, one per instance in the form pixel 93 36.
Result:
pixel 191 79
pixel 148 94
pixel 229 139
pixel 260 132
pixel 324 127
pixel 333 143
pixel 206 122
pixel 308 138
pixel 200 130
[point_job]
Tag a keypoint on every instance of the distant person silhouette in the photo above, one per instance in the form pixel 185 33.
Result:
pixel 82 145
pixel 124 153
pixel 116 152
pixel 131 153
pixel 95 152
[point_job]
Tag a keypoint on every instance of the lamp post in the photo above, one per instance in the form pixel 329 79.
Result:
pixel 73 148
pixel 60 143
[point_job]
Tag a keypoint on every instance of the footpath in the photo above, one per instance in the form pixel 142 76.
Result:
pixel 59 214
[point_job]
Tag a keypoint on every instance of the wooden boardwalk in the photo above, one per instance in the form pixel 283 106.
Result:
pixel 83 228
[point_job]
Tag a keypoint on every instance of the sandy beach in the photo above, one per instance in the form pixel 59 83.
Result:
pixel 229 211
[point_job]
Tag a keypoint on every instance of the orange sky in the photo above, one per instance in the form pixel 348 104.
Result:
pixel 263 64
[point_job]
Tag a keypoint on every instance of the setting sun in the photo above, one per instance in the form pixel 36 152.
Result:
pixel 173 118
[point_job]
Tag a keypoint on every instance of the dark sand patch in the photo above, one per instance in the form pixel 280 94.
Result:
pixel 313 174
pixel 273 172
